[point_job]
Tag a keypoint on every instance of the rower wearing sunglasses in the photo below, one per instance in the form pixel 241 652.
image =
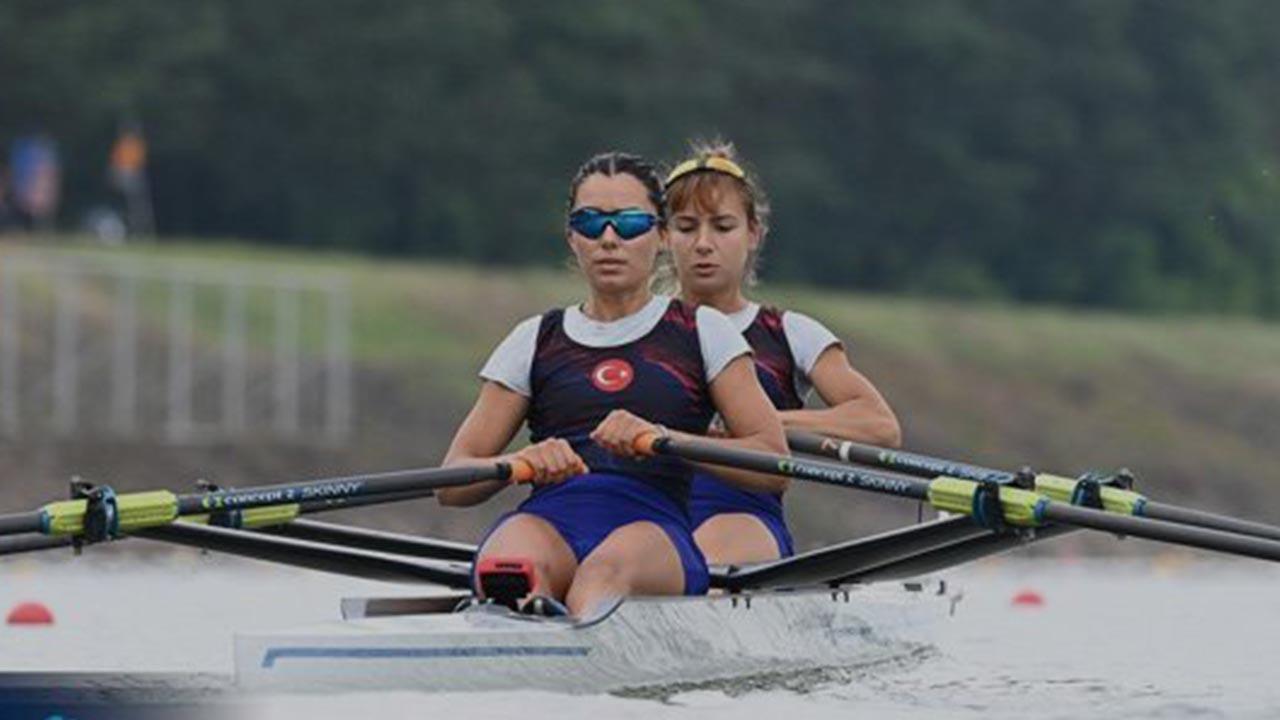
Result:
pixel 717 222
pixel 601 522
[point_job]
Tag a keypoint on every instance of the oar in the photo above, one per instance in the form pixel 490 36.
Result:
pixel 985 545
pixel 104 515
pixel 281 520
pixel 991 504
pixel 31 542
pixel 1059 488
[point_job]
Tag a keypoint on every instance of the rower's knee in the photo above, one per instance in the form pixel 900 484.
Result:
pixel 610 572
pixel 635 559
pixel 606 571
pixel 598 580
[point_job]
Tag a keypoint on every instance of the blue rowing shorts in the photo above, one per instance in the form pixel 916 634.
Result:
pixel 711 496
pixel 586 508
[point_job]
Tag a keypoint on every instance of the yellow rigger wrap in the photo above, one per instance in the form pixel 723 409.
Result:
pixel 135 511
pixel 268 516
pixel 1114 500
pixel 1020 507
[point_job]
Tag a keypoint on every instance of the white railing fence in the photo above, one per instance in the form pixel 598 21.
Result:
pixel 181 352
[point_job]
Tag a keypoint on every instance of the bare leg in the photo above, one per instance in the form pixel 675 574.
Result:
pixel 735 539
pixel 529 536
pixel 635 559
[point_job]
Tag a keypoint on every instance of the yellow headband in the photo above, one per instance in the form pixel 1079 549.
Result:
pixel 713 163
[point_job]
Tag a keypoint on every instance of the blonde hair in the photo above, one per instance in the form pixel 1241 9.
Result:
pixel 702 188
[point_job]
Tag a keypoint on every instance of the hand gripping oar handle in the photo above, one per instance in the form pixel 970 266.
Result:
pixel 983 501
pixel 647 443
pixel 127 512
pixel 1113 499
pixel 517 472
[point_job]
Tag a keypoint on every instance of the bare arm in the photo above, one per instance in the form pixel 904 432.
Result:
pixel 488 429
pixel 752 424
pixel 856 410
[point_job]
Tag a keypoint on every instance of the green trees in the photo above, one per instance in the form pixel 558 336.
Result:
pixel 1114 153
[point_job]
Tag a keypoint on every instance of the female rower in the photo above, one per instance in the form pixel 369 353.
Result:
pixel 717 222
pixel 590 379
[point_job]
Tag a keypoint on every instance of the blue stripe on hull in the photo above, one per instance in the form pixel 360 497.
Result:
pixel 419 653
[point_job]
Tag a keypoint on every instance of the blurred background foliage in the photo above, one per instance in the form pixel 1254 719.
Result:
pixel 1117 153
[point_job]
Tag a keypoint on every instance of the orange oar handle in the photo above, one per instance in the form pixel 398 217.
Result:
pixel 521 472
pixel 646 442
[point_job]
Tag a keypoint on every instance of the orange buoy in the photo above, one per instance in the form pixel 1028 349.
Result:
pixel 1028 598
pixel 30 613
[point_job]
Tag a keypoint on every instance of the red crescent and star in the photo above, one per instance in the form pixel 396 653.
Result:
pixel 612 375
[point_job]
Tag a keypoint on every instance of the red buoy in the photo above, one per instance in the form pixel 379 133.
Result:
pixel 1028 598
pixel 30 613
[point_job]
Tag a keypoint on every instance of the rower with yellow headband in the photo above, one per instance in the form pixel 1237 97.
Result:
pixel 717 223
pixel 603 522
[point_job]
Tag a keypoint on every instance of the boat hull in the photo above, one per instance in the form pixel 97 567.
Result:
pixel 637 643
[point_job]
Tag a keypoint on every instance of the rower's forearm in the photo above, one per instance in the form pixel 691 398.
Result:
pixel 475 493
pixel 868 423
pixel 468 495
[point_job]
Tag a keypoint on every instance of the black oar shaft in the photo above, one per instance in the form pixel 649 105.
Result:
pixel 793 467
pixel 28 543
pixel 1187 516
pixel 365 501
pixel 23 543
pixel 103 514
pixel 19 523
pixel 335 492
pixel 896 460
pixel 926 466
pixel 1190 536
pixel 1045 509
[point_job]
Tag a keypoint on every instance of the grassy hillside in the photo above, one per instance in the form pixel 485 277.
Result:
pixel 1191 404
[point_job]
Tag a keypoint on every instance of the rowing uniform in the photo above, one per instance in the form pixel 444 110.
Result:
pixel 657 363
pixel 786 347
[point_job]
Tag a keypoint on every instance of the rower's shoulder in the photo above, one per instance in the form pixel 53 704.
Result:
pixel 534 324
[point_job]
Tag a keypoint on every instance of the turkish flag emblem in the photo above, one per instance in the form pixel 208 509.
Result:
pixel 613 375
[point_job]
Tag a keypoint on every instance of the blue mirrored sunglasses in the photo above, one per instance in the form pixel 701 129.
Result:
pixel 629 223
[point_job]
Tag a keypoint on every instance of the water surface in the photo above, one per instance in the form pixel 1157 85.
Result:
pixel 1172 638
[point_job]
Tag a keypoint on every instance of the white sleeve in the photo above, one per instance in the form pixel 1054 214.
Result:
pixel 720 340
pixel 807 338
pixel 511 363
